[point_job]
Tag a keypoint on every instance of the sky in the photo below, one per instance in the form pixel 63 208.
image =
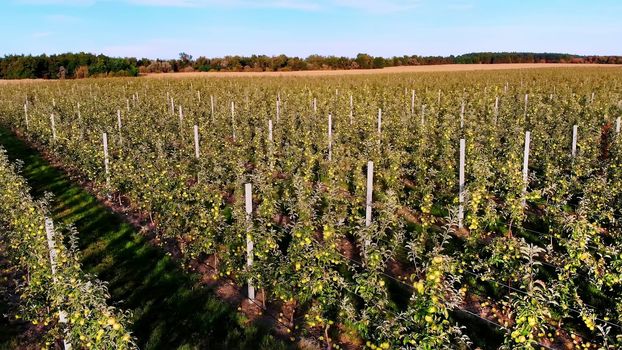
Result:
pixel 215 28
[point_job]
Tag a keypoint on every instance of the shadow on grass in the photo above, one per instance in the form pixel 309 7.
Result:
pixel 171 310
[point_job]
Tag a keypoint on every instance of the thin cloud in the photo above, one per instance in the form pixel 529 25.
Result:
pixel 287 4
pixel 57 2
pixel 460 6
pixel 37 35
pixel 374 6
pixel 62 19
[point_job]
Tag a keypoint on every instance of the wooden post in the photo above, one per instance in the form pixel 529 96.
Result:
pixel 233 120
pixel 196 141
pixel 574 140
pixel 106 160
pixel 526 164
pixel 379 121
pixel 462 115
pixel 127 102
pixel 26 115
pixel 80 124
pixel 119 126
pixel 53 125
pixel 496 107
pixel 412 103
pixel 370 189
pixel 172 106
pixel 439 97
pixel 314 105
pixel 618 124
pixel 461 183
pixel 199 96
pixel 181 124
pixel 592 99
pixel 249 240
pixel 49 230
pixel 330 137
pixel 211 97
pixel 351 110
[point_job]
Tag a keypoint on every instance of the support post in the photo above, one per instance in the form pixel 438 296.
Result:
pixel 526 165
pixel 351 110
pixel 106 159
pixel 49 230
pixel 233 120
pixel 53 125
pixel 196 141
pixel 26 115
pixel 462 115
pixel 181 118
pixel 211 97
pixel 119 126
pixel 370 191
pixel 330 137
pixel 461 183
pixel 249 240
pixel 574 140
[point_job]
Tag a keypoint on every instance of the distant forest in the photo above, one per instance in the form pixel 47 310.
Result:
pixel 83 65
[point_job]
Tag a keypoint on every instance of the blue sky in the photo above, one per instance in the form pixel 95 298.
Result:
pixel 163 28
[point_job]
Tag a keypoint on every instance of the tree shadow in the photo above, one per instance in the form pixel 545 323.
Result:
pixel 170 308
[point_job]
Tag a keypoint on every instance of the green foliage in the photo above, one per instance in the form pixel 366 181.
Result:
pixel 46 67
pixel 44 295
pixel 533 268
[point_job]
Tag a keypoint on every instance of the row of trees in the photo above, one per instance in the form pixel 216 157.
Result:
pixel 82 65
pixel 67 65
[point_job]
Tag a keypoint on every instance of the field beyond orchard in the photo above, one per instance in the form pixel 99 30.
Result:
pixel 431 207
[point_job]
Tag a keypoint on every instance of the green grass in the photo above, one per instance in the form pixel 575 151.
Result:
pixel 171 310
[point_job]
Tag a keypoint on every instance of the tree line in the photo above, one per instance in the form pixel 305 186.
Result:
pixel 82 65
